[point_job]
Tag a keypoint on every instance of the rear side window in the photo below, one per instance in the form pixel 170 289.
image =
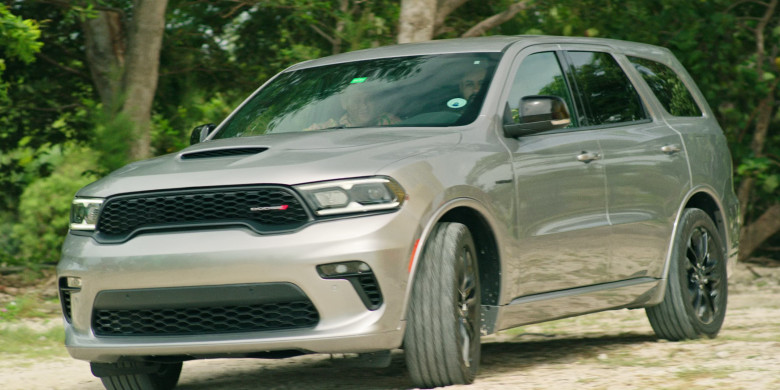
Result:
pixel 607 93
pixel 667 87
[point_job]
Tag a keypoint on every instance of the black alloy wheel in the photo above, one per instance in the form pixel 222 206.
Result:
pixel 696 294
pixel 442 340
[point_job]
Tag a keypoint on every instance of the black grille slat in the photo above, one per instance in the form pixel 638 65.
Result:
pixel 66 299
pixel 122 215
pixel 67 306
pixel 222 153
pixel 371 287
pixel 204 320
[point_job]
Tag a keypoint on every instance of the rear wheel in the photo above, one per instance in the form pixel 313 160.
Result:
pixel 694 302
pixel 139 375
pixel 442 340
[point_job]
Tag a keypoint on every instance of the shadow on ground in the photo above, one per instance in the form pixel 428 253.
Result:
pixel 523 352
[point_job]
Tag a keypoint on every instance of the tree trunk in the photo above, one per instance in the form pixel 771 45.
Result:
pixel 340 25
pixel 141 71
pixel 416 22
pixel 763 119
pixel 496 19
pixel 444 9
pixel 105 49
pixel 754 234
pixel 759 231
pixel 124 61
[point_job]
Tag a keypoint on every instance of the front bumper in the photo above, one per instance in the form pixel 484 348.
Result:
pixel 237 256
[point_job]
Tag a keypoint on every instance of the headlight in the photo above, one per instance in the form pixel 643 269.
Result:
pixel 353 195
pixel 84 213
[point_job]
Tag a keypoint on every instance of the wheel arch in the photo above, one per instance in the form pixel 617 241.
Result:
pixel 488 260
pixel 705 199
pixel 474 216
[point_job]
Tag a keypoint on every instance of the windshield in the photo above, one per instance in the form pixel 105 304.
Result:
pixel 434 90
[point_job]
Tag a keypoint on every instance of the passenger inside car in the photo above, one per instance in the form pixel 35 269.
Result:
pixel 361 110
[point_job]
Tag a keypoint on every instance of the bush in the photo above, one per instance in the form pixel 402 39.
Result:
pixel 112 140
pixel 44 207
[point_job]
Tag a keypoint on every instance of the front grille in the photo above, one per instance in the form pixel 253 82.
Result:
pixel 266 209
pixel 198 310
pixel 205 320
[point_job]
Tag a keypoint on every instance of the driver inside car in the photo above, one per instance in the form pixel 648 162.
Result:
pixel 360 111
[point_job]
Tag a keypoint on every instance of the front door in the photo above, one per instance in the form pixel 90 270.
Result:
pixel 563 231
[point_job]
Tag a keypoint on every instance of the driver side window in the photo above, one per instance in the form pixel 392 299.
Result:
pixel 540 74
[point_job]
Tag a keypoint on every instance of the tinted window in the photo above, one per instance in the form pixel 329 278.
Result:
pixel 435 90
pixel 667 87
pixel 606 91
pixel 539 74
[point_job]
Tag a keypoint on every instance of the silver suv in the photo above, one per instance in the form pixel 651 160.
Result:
pixel 417 197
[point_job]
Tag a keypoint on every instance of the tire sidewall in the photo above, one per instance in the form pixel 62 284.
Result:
pixel 690 221
pixel 465 241
pixel 433 339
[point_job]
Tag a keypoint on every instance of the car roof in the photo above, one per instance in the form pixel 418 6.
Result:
pixel 489 44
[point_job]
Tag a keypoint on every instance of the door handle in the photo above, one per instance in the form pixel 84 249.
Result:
pixel 670 149
pixel 587 157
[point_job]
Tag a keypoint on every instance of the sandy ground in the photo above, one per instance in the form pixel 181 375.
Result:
pixel 610 350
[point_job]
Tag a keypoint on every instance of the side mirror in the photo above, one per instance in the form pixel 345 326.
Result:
pixel 200 133
pixel 536 114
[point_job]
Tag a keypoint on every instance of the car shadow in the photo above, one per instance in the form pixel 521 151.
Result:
pixel 515 354
pixel 529 350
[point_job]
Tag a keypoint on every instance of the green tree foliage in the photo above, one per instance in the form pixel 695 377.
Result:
pixel 45 104
pixel 45 206
pixel 19 39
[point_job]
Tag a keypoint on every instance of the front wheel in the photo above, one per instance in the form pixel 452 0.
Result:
pixel 138 375
pixel 442 340
pixel 694 302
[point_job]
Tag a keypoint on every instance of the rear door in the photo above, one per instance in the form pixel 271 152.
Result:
pixel 646 168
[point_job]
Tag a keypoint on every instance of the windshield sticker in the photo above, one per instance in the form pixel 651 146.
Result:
pixel 476 62
pixel 358 80
pixel 456 103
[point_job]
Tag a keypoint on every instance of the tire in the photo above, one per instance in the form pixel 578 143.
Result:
pixel 442 340
pixel 165 377
pixel 696 293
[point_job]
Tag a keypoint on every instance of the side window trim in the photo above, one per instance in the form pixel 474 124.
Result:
pixel 584 113
pixel 683 80
pixel 575 111
pixel 568 65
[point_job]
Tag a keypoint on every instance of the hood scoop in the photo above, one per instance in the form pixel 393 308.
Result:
pixel 228 152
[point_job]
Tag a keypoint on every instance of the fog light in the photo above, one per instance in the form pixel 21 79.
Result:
pixel 73 282
pixel 342 270
pixel 68 286
pixel 360 275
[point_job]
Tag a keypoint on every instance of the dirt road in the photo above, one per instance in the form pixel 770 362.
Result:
pixel 611 350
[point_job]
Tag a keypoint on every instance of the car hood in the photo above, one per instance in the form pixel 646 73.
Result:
pixel 289 158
